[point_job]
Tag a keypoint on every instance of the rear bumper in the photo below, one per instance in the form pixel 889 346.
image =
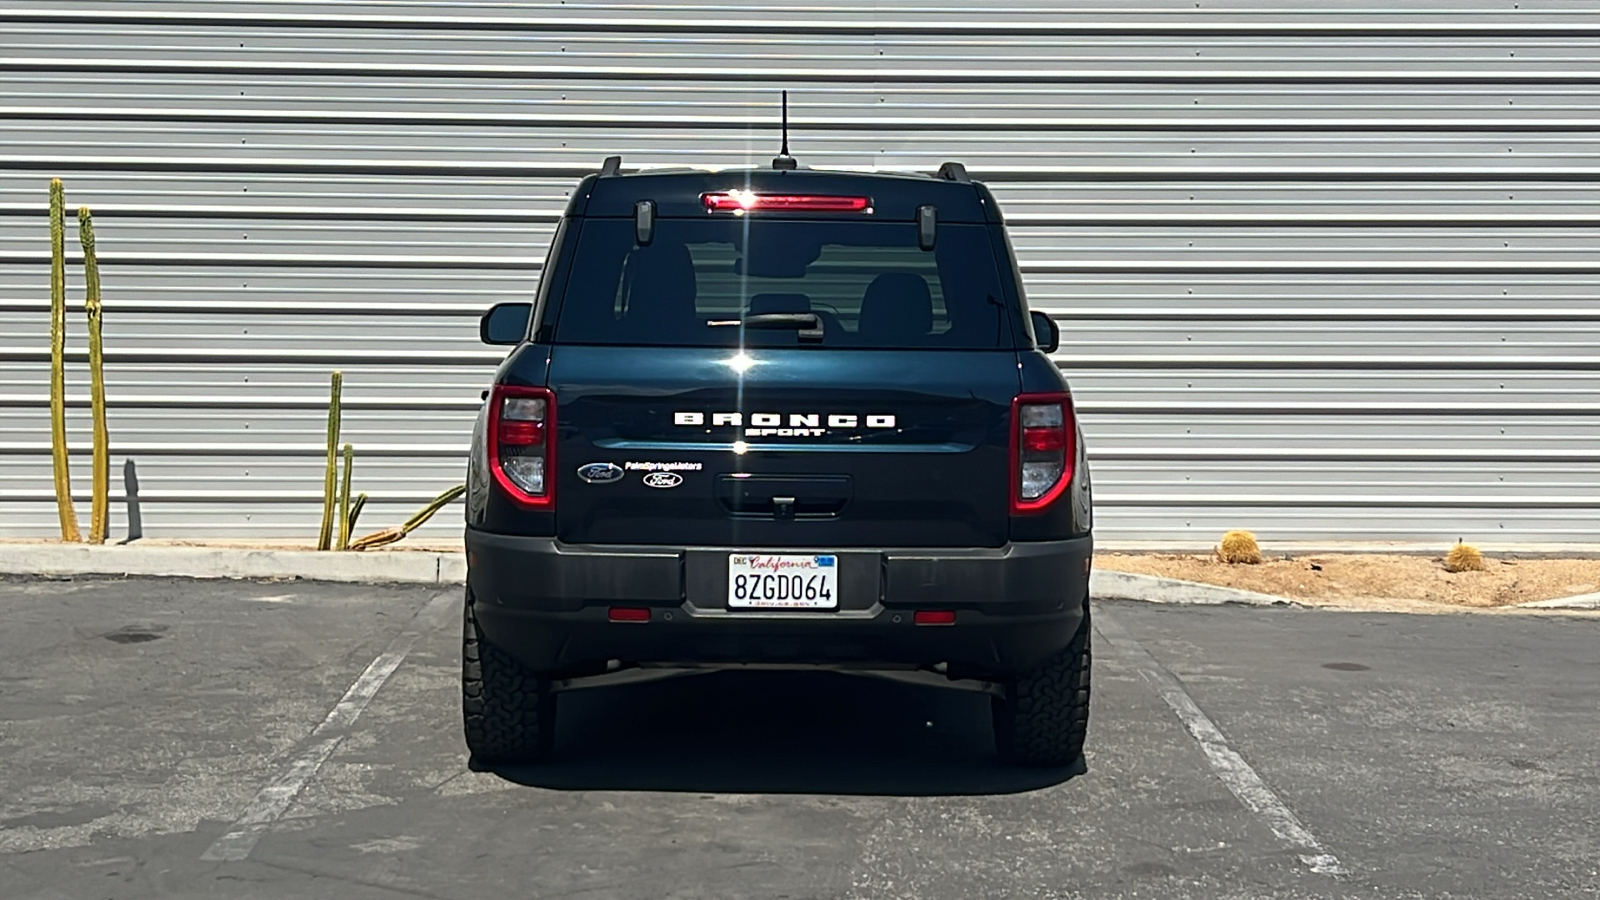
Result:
pixel 547 603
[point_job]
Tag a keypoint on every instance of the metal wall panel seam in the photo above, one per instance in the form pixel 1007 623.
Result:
pixel 264 307
pixel 872 23
pixel 651 120
pixel 255 401
pixel 1194 267
pixel 331 357
pixel 1067 174
pixel 452 452
pixel 743 75
pixel 348 214
pixel 298 261
pixel 1155 220
pixel 1518 314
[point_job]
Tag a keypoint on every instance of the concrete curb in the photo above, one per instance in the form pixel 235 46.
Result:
pixel 392 567
pixel 430 567
pixel 448 568
pixel 1108 585
pixel 1576 601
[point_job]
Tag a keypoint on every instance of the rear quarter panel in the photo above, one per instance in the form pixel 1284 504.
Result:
pixel 1072 515
pixel 527 364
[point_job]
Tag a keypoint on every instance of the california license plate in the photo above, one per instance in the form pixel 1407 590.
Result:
pixel 782 581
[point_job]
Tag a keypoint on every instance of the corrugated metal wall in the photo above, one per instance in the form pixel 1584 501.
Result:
pixel 1327 270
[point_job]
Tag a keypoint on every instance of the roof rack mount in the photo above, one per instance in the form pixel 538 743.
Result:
pixel 953 171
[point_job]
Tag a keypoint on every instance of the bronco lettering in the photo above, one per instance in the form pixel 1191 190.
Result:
pixel 771 423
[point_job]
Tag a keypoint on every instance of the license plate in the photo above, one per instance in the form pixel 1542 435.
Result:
pixel 782 581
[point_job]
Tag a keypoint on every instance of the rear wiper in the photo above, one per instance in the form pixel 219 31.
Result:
pixel 807 325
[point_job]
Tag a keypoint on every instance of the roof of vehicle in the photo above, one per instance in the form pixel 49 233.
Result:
pixel 895 196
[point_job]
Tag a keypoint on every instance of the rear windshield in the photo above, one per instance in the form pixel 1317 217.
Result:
pixel 699 283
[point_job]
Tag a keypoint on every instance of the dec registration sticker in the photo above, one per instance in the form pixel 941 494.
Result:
pixel 782 581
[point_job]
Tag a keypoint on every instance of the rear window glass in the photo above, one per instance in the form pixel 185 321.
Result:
pixel 706 282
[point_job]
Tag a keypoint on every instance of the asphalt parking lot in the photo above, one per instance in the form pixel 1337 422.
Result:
pixel 167 738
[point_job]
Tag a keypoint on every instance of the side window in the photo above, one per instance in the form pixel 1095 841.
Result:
pixel 1014 285
pixel 547 276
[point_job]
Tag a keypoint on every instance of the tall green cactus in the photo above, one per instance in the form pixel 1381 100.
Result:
pixel 100 502
pixel 58 349
pixel 325 538
pixel 344 498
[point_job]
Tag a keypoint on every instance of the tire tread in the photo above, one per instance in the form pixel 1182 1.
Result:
pixel 508 711
pixel 1044 718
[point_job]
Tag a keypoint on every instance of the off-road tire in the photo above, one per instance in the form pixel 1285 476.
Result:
pixel 508 711
pixel 1044 716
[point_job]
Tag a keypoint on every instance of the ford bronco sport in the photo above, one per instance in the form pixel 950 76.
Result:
pixel 784 417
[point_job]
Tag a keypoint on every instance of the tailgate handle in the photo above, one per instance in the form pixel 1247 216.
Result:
pixel 784 497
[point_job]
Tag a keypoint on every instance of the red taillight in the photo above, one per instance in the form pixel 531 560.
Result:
pixel 1043 450
pixel 749 201
pixel 521 437
pixel 521 434
pixel 1043 440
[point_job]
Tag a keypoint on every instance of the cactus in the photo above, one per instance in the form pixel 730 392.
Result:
pixel 355 513
pixel 100 503
pixel 378 538
pixel 1239 547
pixel 58 349
pixel 438 503
pixel 1464 557
pixel 344 498
pixel 391 535
pixel 325 537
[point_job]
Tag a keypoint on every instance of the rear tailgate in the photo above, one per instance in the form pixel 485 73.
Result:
pixel 802 448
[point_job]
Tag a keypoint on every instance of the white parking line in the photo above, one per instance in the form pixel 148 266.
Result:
pixel 275 797
pixel 1229 765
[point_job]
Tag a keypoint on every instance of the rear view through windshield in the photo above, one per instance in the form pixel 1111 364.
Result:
pixel 738 282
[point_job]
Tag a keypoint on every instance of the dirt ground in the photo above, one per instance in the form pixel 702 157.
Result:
pixel 1372 579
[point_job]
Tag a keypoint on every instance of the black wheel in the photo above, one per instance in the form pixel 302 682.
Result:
pixel 1044 717
pixel 509 711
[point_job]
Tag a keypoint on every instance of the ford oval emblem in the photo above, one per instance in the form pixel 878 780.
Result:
pixel 663 480
pixel 600 473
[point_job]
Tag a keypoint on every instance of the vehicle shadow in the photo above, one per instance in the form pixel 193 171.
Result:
pixel 779 732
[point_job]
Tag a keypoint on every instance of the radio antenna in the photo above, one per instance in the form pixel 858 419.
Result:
pixel 783 159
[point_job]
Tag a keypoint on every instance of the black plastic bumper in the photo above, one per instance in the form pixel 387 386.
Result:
pixel 547 603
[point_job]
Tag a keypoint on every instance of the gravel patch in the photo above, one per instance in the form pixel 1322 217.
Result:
pixel 1379 579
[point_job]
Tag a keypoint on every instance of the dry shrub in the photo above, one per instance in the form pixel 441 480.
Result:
pixel 1239 547
pixel 1463 558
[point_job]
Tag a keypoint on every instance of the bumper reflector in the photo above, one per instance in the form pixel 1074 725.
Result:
pixel 628 614
pixel 934 617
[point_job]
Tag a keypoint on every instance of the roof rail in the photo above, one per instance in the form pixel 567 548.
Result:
pixel 953 171
pixel 612 166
